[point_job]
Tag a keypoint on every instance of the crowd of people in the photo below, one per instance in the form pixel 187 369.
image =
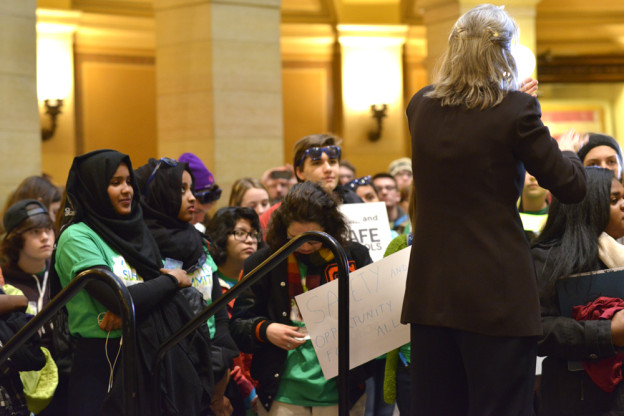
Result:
pixel 481 299
pixel 155 227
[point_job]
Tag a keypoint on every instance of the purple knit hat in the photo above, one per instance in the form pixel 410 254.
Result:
pixel 203 177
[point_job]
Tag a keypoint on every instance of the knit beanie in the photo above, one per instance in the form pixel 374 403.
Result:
pixel 396 166
pixel 203 177
pixel 596 140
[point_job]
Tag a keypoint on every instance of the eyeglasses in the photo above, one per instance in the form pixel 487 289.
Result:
pixel 207 195
pixel 386 188
pixel 241 235
pixel 315 153
pixel 166 160
pixel 356 183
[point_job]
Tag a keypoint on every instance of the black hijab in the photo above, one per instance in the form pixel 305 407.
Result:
pixel 161 201
pixel 87 194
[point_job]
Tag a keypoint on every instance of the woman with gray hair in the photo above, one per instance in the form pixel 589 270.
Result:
pixel 471 295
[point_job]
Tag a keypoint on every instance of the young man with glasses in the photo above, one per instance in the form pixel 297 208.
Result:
pixel 388 192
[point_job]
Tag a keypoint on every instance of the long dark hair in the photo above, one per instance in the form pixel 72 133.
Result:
pixel 222 224
pixel 572 230
pixel 307 202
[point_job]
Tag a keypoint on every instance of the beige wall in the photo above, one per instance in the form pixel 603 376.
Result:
pixel 307 98
pixel 118 111
pixel 20 136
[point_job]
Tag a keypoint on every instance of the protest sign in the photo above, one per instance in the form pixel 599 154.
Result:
pixel 375 301
pixel 369 226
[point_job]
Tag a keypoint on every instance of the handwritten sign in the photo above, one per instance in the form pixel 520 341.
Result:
pixel 375 302
pixel 369 226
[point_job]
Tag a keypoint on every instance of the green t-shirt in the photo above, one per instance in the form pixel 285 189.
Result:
pixel 203 280
pixel 303 382
pixel 80 248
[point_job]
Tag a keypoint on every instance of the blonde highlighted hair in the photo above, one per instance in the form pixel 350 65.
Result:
pixel 478 69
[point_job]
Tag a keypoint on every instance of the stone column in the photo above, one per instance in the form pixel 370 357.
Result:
pixel 219 91
pixel 20 135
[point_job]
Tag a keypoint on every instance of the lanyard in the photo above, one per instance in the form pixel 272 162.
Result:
pixel 41 287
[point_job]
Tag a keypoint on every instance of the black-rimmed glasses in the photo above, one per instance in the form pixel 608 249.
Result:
pixel 241 235
pixel 166 160
pixel 315 153
pixel 356 183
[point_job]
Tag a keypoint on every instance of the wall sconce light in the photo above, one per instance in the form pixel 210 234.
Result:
pixel 53 109
pixel 379 112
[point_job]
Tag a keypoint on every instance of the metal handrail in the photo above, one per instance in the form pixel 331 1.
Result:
pixel 255 275
pixel 129 382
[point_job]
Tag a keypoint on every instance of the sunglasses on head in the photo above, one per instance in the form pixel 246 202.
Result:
pixel 167 161
pixel 207 195
pixel 356 183
pixel 315 153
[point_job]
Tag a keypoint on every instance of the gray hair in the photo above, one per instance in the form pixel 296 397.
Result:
pixel 478 68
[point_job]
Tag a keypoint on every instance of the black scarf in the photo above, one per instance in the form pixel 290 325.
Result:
pixel 87 194
pixel 161 200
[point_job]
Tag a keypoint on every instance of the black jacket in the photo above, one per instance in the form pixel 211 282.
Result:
pixel 470 267
pixel 268 302
pixel 564 392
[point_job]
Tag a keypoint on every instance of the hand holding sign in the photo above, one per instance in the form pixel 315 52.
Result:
pixel 284 336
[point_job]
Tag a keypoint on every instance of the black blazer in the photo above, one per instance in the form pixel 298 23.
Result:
pixel 470 266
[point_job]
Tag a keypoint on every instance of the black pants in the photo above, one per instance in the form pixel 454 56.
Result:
pixel 88 382
pixel 462 373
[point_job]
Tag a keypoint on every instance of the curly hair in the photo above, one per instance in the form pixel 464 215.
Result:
pixel 222 224
pixel 13 243
pixel 307 202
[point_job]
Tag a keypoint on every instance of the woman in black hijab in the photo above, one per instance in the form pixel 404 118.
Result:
pixel 168 205
pixel 104 227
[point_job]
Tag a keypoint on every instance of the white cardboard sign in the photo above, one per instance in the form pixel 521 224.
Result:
pixel 375 302
pixel 369 226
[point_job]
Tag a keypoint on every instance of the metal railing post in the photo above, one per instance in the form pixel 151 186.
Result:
pixel 128 327
pixel 255 275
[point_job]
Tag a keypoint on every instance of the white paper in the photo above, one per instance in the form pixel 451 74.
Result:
pixel 369 226
pixel 375 302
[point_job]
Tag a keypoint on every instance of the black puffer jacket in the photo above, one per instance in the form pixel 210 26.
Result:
pixel 268 302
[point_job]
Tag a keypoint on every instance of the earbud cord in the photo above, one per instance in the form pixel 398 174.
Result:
pixel 111 366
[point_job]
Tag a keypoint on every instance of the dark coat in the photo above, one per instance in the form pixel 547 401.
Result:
pixel 471 267
pixel 268 302
pixel 564 392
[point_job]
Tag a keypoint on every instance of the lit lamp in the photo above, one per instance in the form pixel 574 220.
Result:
pixel 379 112
pixel 372 65
pixel 54 73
